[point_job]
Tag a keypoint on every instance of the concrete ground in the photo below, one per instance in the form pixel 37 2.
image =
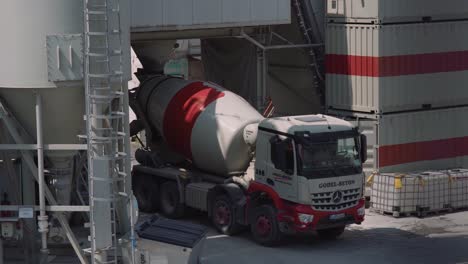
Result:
pixel 380 239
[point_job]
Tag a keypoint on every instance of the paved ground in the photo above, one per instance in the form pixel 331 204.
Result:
pixel 381 239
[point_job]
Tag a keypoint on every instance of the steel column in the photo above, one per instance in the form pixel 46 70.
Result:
pixel 42 218
pixel 1 251
pixel 128 171
pixel 260 79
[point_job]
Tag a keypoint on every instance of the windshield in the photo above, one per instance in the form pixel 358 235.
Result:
pixel 330 158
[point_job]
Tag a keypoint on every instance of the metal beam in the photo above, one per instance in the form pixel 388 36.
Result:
pixel 43 218
pixel 153 34
pixel 251 40
pixel 14 127
pixel 50 208
pixel 46 147
pixel 293 46
pixel 275 47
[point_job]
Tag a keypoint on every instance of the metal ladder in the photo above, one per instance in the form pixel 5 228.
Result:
pixel 106 98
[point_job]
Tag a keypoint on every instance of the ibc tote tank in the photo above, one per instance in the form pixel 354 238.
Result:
pixel 201 121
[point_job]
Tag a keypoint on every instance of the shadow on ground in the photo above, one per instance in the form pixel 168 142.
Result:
pixel 357 245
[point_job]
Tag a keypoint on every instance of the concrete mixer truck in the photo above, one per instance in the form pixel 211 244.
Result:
pixel 277 176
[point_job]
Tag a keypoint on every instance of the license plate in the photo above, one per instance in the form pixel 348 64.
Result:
pixel 337 216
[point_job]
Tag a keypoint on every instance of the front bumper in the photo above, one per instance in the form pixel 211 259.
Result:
pixel 290 224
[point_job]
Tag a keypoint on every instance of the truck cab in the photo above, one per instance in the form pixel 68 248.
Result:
pixel 309 169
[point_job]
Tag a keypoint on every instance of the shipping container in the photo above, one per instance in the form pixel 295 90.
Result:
pixel 395 11
pixel 416 141
pixel 167 15
pixel 392 68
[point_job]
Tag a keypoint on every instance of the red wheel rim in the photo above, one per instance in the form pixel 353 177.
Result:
pixel 263 225
pixel 222 214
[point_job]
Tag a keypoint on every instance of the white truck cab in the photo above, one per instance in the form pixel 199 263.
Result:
pixel 314 165
pixel 306 155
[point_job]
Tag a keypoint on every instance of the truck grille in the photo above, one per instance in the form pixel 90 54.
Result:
pixel 324 201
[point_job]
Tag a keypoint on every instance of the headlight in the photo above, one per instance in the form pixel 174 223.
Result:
pixel 361 211
pixel 306 218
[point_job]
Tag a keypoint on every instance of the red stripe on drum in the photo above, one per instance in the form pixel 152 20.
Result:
pixel 182 112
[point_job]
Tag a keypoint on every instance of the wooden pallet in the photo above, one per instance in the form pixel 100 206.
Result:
pixel 420 212
pixel 425 212
pixel 395 214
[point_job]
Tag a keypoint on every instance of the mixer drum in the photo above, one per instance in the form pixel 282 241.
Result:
pixel 201 121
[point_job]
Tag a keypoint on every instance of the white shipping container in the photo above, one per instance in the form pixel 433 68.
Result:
pixel 391 68
pixel 165 15
pixel 417 141
pixel 392 11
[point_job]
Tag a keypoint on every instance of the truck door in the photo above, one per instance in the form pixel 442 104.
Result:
pixel 281 169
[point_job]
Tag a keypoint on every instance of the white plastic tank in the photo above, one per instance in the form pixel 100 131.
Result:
pixel 201 121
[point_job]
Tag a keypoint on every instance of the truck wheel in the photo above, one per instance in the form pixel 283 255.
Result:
pixel 331 233
pixel 223 216
pixel 171 205
pixel 146 191
pixel 264 226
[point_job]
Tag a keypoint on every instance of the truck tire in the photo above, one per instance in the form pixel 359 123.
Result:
pixel 146 191
pixel 264 226
pixel 171 205
pixel 223 216
pixel 331 233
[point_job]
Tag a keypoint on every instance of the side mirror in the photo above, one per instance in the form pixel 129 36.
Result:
pixel 363 148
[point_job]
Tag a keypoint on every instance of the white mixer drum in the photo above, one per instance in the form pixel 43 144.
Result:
pixel 200 120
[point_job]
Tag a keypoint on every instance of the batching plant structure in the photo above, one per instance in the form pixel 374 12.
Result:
pixel 63 91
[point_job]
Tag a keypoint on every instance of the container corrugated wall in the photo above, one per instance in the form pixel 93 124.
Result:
pixel 161 15
pixel 391 11
pixel 423 140
pixel 391 68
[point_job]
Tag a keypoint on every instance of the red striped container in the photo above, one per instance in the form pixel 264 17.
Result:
pixel 385 69
pixel 420 141
pixel 201 121
pixel 395 11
